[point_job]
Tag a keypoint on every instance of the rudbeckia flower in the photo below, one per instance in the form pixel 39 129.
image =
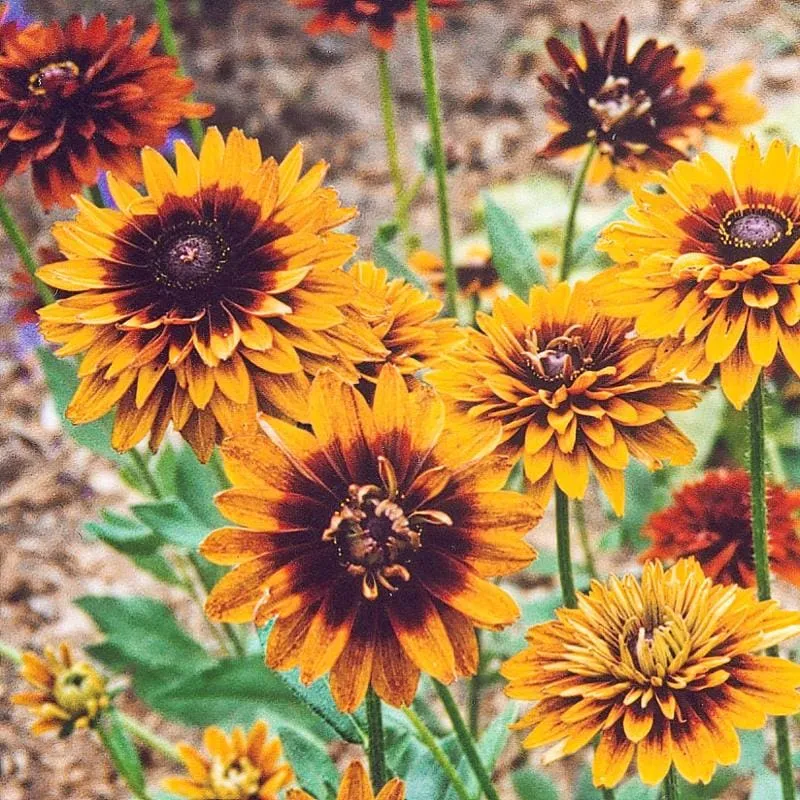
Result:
pixel 380 16
pixel 241 766
pixel 208 298
pixel 67 694
pixel 711 264
pixel 370 540
pixel 84 97
pixel 572 388
pixel 476 275
pixel 632 107
pixel 665 669
pixel 710 519
pixel 356 786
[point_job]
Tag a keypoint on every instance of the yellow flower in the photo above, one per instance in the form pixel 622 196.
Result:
pixel 667 669
pixel 371 540
pixel 211 297
pixel 67 694
pixel 236 767
pixel 711 266
pixel 355 786
pixel 477 278
pixel 572 389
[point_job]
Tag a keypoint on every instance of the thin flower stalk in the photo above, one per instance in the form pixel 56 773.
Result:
pixel 572 213
pixel 17 239
pixel 376 748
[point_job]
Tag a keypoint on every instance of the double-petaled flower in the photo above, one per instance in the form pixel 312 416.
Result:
pixel 239 766
pixel 212 296
pixel 665 669
pixel 85 97
pixel 370 540
pixel 572 389
pixel 710 263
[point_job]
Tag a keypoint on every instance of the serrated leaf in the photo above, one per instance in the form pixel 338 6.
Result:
pixel 62 381
pixel 513 255
pixel 122 751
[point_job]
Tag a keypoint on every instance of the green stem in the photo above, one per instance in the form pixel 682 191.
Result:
pixel 563 550
pixel 390 130
pixel 147 737
pixel 143 469
pixel 429 740
pixel 474 696
pixel 583 535
pixel 107 741
pixel 17 238
pixel 670 786
pixel 375 748
pixel 170 42
pixel 10 653
pixel 96 196
pixel 574 202
pixel 758 501
pixel 437 145
pixel 466 741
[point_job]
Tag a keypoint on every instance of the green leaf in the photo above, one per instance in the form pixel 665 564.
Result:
pixel 124 534
pixel 313 767
pixel 122 751
pixel 634 789
pixel 530 785
pixel 173 521
pixel 583 250
pixel 385 257
pixel 512 251
pixel 145 632
pixel 703 424
pixel 196 486
pixel 62 381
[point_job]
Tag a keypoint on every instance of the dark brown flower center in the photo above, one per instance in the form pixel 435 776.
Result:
pixel 58 78
pixel 761 231
pixel 375 539
pixel 615 103
pixel 560 361
pixel 190 258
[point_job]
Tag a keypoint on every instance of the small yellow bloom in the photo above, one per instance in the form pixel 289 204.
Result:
pixel 355 786
pixel 236 767
pixel 68 694
pixel 667 669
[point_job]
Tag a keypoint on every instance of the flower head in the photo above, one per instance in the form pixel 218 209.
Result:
pixel 82 98
pixel 572 389
pixel 370 539
pixel 242 766
pixel 407 324
pixel 475 273
pixel 356 786
pixel 710 263
pixel 380 16
pixel 666 668
pixel 67 694
pixel 633 108
pixel 207 299
pixel 710 519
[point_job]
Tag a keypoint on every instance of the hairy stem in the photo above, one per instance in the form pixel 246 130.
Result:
pixel 147 737
pixel 466 741
pixel 437 145
pixel 376 747
pixel 474 695
pixel 670 786
pixel 758 500
pixel 563 550
pixel 583 535
pixel 574 202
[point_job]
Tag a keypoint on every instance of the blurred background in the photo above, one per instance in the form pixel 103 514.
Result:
pixel 252 59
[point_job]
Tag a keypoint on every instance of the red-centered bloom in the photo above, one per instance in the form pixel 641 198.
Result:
pixel 632 108
pixel 371 540
pixel 380 16
pixel 710 519
pixel 84 97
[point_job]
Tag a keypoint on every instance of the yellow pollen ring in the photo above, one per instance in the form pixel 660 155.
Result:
pixel 756 219
pixel 58 70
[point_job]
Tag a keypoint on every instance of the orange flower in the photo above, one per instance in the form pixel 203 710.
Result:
pixel 380 16
pixel 82 98
pixel 355 786
pixel 710 265
pixel 371 540
pixel 207 299
pixel 632 108
pixel 710 520
pixel 408 325
pixel 572 389
pixel 475 273
pixel 67 694
pixel 236 767
pixel 667 669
